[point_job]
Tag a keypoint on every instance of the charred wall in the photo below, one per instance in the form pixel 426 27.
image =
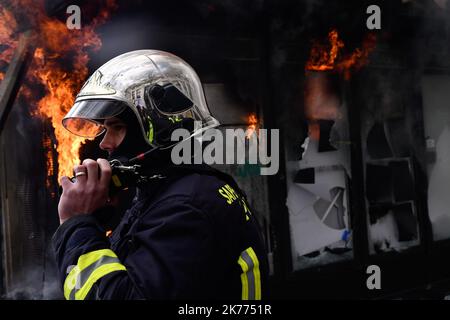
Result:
pixel 28 211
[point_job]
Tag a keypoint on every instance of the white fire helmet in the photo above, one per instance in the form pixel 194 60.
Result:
pixel 158 86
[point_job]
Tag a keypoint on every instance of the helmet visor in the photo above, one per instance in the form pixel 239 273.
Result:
pixel 83 127
pixel 84 118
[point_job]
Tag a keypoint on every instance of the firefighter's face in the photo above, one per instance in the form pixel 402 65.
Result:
pixel 116 130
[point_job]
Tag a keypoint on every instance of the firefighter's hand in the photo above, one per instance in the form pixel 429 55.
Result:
pixel 88 193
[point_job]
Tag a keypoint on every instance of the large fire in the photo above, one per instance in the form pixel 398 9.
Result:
pixel 59 64
pixel 329 57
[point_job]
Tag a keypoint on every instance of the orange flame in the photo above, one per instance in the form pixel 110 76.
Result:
pixel 7 26
pixel 48 149
pixel 320 59
pixel 59 64
pixel 324 58
pixel 252 122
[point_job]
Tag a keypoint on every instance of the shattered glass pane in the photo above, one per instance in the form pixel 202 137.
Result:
pixel 318 184
pixel 391 199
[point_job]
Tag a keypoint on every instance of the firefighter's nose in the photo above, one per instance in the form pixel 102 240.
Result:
pixel 108 144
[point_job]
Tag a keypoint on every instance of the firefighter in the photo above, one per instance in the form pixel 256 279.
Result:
pixel 189 233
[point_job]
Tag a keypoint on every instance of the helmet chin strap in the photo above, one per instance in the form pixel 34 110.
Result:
pixel 134 162
pixel 134 150
pixel 129 148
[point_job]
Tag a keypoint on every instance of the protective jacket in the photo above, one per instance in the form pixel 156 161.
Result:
pixel 190 235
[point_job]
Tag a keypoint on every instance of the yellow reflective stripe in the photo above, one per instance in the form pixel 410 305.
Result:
pixel 70 282
pixel 257 273
pixel 83 262
pixel 89 258
pixel 250 272
pixel 244 278
pixel 97 274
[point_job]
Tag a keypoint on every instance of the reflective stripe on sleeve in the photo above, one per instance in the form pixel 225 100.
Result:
pixel 90 267
pixel 250 276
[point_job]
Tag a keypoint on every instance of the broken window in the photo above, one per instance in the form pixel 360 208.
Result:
pixel 318 183
pixel 389 155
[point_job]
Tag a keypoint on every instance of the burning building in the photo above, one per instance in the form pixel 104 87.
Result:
pixel 48 62
pixel 362 115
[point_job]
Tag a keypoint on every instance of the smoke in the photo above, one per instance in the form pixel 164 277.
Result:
pixel 34 286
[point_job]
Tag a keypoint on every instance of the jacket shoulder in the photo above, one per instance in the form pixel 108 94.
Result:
pixel 207 192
